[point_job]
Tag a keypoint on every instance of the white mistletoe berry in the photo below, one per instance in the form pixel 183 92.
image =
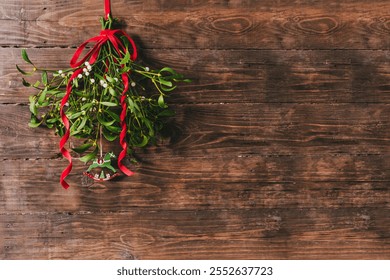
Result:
pixel 79 76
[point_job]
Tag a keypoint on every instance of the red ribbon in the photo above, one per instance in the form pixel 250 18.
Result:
pixel 104 37
pixel 107 8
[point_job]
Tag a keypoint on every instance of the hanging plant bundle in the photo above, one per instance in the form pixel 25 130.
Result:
pixel 105 94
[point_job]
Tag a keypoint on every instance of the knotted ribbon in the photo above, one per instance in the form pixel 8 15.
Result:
pixel 106 36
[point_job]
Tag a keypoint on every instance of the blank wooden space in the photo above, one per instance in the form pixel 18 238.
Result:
pixel 280 147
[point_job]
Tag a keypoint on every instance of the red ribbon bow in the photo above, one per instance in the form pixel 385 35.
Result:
pixel 112 36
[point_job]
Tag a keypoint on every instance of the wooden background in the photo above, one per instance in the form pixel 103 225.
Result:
pixel 280 148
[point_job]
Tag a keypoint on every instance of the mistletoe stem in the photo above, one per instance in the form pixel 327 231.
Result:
pixel 101 141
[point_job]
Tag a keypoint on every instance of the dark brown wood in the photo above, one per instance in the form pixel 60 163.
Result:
pixel 241 76
pixel 224 234
pixel 207 129
pixel 209 24
pixel 280 148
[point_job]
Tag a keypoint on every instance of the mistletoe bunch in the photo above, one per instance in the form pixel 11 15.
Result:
pixel 105 93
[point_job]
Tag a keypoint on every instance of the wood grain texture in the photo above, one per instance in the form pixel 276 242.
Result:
pixel 207 24
pixel 241 76
pixel 277 233
pixel 280 148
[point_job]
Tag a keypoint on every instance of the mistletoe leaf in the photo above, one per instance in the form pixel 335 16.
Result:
pixel 75 115
pixel 86 106
pixel 114 115
pixel 44 78
pixel 145 141
pixel 81 126
pixel 109 136
pixel 52 120
pixel 161 102
pixel 24 72
pixel 33 107
pixel 103 122
pixel 164 82
pixel 25 57
pixel 126 58
pixel 109 79
pixel 166 113
pixel 37 84
pixel 34 123
pixel 83 148
pixel 113 129
pixel 167 89
pixel 42 96
pixel 25 83
pixel 109 104
pixel 89 156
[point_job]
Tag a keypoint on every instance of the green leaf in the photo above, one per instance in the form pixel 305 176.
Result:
pixel 108 104
pixel 109 79
pixel 145 141
pixel 131 104
pixel 44 78
pixel 34 122
pixel 81 149
pixel 42 96
pixel 25 83
pixel 164 82
pixel 25 57
pixel 83 122
pixel 33 107
pixel 52 121
pixel 149 125
pixel 98 76
pixel 24 72
pixel 169 70
pixel 126 58
pixel 86 106
pixel 113 115
pixel 89 157
pixel 37 84
pixel 167 89
pixel 114 129
pixel 161 102
pixel 112 92
pixel 104 122
pixel 166 113
pixel 75 115
pixel 109 136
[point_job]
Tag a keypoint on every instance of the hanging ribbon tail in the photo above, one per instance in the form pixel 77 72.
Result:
pixel 122 136
pixel 65 153
pixel 107 8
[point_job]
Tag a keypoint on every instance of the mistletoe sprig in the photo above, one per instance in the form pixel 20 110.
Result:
pixel 94 108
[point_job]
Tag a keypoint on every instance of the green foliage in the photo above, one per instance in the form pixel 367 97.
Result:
pixel 94 107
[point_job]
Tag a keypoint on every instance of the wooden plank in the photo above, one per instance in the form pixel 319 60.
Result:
pixel 348 233
pixel 208 25
pixel 240 76
pixel 32 186
pixel 43 9
pixel 210 182
pixel 276 130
